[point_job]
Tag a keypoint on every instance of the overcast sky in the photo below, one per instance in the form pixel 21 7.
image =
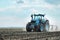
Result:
pixel 16 13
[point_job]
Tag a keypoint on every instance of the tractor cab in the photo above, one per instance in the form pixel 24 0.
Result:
pixel 37 17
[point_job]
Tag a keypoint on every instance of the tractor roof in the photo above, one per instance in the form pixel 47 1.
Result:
pixel 38 15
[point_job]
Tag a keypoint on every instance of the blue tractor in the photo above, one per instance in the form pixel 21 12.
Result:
pixel 38 24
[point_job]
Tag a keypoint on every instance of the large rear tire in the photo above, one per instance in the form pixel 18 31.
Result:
pixel 27 27
pixel 30 27
pixel 47 26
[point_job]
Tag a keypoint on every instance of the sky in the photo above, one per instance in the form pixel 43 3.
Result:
pixel 16 13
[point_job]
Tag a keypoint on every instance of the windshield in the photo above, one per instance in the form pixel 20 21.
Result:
pixel 37 17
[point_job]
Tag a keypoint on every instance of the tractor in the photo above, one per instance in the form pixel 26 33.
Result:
pixel 38 23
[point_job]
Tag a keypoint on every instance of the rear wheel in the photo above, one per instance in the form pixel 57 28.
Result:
pixel 27 27
pixel 47 25
pixel 30 27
